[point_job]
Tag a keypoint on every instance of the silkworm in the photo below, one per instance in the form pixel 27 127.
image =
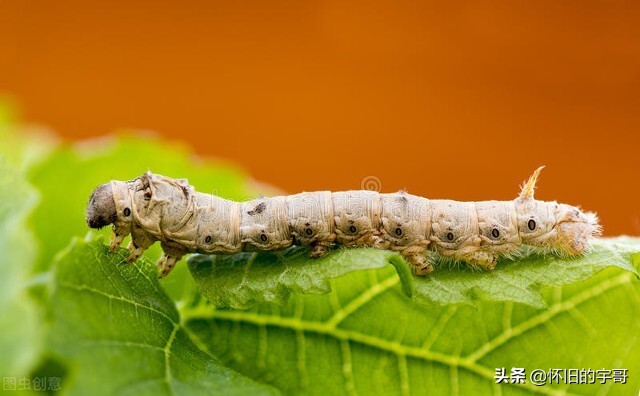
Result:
pixel 157 208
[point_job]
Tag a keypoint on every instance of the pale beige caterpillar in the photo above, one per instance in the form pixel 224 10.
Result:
pixel 157 208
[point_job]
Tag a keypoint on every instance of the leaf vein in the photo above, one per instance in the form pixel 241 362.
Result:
pixel 301 357
pixel 436 330
pixel 350 335
pixel 117 298
pixel 547 314
pixel 167 355
pixel 358 302
pixel 347 367
pixel 405 386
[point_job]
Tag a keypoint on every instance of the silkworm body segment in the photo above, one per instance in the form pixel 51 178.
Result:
pixel 157 208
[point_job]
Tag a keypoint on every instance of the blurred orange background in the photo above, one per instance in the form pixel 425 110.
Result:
pixel 458 100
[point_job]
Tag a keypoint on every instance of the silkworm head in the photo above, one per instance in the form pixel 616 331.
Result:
pixel 101 210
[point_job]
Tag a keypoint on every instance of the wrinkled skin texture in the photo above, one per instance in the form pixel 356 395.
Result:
pixel 157 208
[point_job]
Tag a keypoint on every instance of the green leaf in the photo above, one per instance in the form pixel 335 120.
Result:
pixel 368 337
pixel 20 339
pixel 119 333
pixel 244 280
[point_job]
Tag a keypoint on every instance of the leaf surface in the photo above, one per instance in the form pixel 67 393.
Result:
pixel 19 319
pixel 119 333
pixel 368 337
pixel 244 280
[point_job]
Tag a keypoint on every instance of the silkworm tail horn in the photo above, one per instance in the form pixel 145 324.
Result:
pixel 529 187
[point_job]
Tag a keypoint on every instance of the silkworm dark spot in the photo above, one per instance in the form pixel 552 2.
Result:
pixel 263 238
pixel 308 231
pixel 398 231
pixel 495 233
pixel 450 236
pixel 353 229
pixel 531 225
pixel 258 209
pixel 127 212
pixel 207 239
